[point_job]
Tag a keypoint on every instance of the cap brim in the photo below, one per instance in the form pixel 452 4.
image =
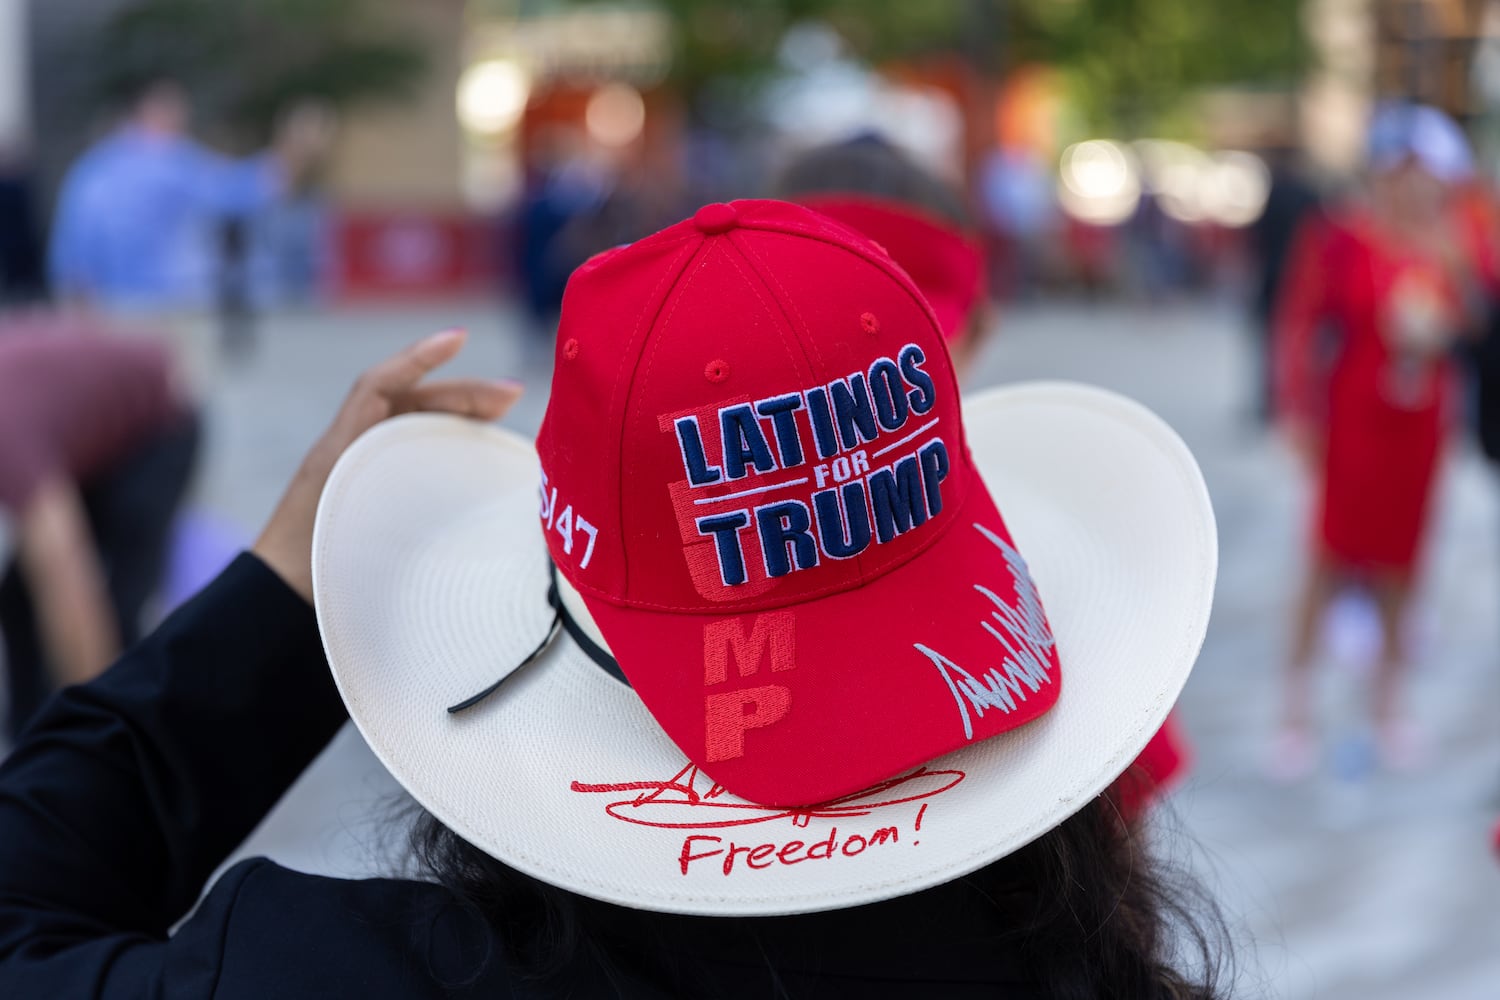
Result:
pixel 431 580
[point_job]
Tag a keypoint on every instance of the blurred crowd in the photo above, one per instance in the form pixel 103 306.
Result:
pixel 1368 307
pixel 1374 304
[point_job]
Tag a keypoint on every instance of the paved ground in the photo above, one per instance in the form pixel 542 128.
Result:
pixel 1356 885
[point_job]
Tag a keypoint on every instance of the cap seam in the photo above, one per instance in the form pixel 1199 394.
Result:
pixel 659 294
pixel 663 321
pixel 783 301
pixel 961 234
pixel 788 302
pixel 799 325
pixel 770 300
pixel 891 269
pixel 652 242
pixel 885 264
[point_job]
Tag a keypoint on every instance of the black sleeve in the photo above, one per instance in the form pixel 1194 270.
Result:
pixel 125 793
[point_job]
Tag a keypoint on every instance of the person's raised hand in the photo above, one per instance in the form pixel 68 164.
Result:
pixel 390 388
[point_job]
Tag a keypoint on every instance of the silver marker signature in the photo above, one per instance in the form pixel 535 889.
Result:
pixel 1024 634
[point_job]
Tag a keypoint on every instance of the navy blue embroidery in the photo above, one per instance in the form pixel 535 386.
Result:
pixel 843 520
pixel 889 392
pixel 699 472
pixel 822 422
pixel 744 442
pixel 852 409
pixel 924 395
pixel 786 538
pixel 725 528
pixel 934 458
pixel 897 495
pixel 782 410
pixel 848 507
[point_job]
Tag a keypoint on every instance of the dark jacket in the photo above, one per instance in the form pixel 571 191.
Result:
pixel 125 794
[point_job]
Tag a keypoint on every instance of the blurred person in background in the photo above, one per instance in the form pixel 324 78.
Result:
pixel 21 271
pixel 1016 190
pixel 1289 201
pixel 1158 260
pixel 564 184
pixel 876 189
pixel 1395 279
pixel 137 223
pixel 1093 256
pixel 1478 211
pixel 96 450
pixel 581 199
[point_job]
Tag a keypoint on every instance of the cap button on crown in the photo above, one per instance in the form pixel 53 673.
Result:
pixel 717 218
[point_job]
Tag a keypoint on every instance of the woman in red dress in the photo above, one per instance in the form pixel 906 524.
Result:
pixel 1368 412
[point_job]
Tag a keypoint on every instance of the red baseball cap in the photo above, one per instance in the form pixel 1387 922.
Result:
pixel 755 475
pixel 1156 771
pixel 946 264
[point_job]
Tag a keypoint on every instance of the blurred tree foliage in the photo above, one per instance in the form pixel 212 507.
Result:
pixel 1133 60
pixel 244 61
pixel 1128 61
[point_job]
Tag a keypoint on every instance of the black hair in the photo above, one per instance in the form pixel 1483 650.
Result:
pixel 1085 910
pixel 869 165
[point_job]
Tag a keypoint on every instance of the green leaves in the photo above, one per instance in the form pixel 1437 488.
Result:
pixel 1132 60
pixel 245 60
pixel 1127 61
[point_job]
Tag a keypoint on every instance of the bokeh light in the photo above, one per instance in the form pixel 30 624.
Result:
pixel 1227 188
pixel 492 96
pixel 1172 172
pixel 1234 188
pixel 1098 182
pixel 616 114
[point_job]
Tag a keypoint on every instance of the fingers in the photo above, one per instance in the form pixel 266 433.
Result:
pixel 399 373
pixel 475 398
pixel 393 387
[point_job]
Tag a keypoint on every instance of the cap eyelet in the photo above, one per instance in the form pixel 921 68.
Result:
pixel 716 370
pixel 869 323
pixel 570 349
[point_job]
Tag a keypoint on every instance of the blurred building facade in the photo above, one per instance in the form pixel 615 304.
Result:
pixel 418 190
pixel 401 225
pixel 1424 50
pixel 15 88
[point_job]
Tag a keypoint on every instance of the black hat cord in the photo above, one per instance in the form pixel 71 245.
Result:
pixel 562 621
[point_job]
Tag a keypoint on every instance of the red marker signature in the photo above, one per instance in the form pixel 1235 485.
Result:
pixel 678 803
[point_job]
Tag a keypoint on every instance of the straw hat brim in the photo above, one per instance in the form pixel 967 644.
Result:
pixel 431 580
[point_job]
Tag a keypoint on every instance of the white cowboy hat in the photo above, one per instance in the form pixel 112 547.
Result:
pixel 432 580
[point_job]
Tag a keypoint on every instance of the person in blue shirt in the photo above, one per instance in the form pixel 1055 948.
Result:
pixel 136 222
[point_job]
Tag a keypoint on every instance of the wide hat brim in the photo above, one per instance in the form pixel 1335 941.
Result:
pixel 431 581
